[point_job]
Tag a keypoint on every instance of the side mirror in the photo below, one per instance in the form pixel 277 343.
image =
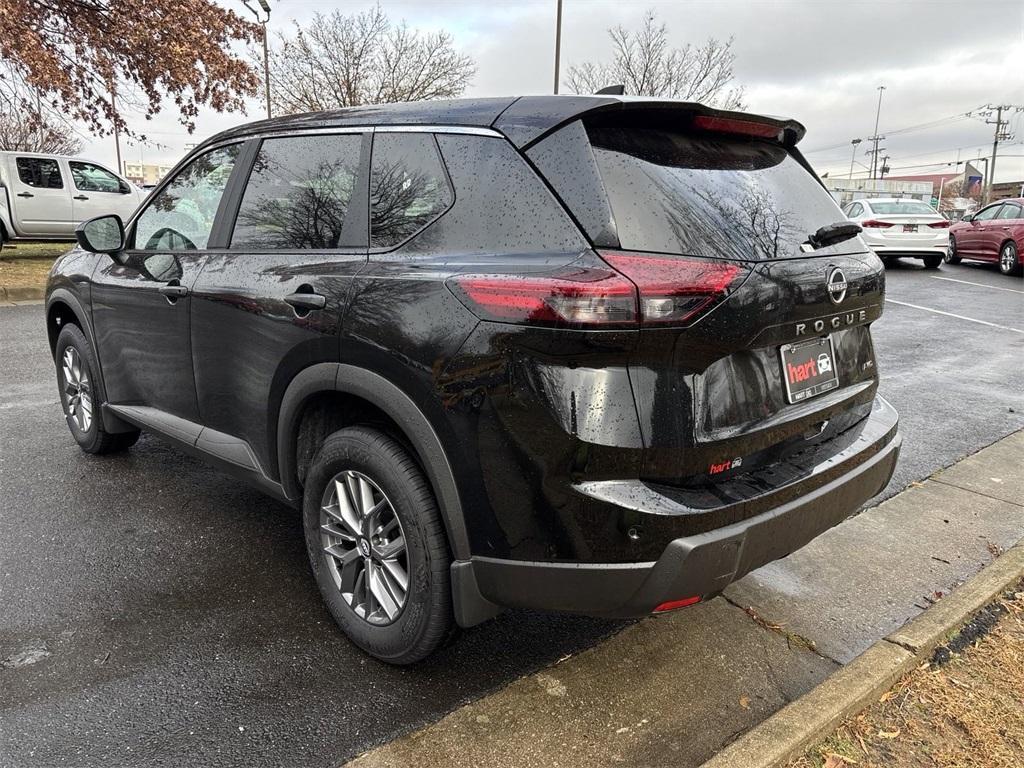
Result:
pixel 966 217
pixel 124 188
pixel 104 234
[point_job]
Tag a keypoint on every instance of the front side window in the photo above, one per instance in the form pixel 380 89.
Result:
pixel 408 187
pixel 855 210
pixel 91 178
pixel 180 217
pixel 298 193
pixel 987 213
pixel 39 172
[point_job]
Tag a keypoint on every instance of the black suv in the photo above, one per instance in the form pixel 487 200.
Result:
pixel 585 354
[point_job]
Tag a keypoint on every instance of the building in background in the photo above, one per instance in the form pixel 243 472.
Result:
pixel 1006 189
pixel 954 194
pixel 145 174
pixel 848 190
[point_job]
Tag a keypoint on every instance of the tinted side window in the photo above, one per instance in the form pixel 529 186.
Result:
pixel 298 193
pixel 567 162
pixel 92 178
pixel 39 172
pixel 987 213
pixel 408 187
pixel 501 206
pixel 1010 211
pixel 180 217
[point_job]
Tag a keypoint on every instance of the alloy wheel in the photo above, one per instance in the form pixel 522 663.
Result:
pixel 364 547
pixel 1008 258
pixel 77 389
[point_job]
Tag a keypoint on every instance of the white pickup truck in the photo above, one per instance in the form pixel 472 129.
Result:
pixel 44 197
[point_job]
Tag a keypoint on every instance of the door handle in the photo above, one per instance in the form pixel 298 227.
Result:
pixel 25 194
pixel 306 301
pixel 81 197
pixel 173 291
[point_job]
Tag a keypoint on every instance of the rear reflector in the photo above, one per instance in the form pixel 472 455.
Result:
pixel 874 224
pixel 671 605
pixel 944 224
pixel 735 126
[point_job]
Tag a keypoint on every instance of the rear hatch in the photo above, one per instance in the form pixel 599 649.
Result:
pixel 781 359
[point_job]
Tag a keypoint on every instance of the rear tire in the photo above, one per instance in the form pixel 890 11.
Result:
pixel 365 500
pixel 76 380
pixel 1009 260
pixel 932 262
pixel 951 257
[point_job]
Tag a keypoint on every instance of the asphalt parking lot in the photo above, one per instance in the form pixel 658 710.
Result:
pixel 153 611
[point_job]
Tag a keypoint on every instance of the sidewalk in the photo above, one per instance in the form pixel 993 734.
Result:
pixel 674 690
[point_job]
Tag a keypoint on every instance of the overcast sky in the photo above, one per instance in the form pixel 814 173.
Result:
pixel 818 61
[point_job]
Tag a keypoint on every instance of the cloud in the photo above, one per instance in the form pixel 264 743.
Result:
pixel 818 61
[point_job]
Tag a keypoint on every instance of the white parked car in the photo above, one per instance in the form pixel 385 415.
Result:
pixel 902 228
pixel 44 197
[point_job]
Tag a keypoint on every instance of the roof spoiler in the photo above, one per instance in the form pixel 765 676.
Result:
pixel 531 118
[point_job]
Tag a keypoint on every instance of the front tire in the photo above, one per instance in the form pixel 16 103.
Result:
pixel 932 262
pixel 1009 261
pixel 76 378
pixel 377 546
pixel 951 257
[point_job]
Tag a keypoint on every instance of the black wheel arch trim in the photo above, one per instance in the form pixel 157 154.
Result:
pixel 382 393
pixel 111 423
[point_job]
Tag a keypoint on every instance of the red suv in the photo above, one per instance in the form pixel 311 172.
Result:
pixel 995 233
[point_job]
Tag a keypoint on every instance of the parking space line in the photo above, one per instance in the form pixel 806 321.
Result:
pixel 958 317
pixel 980 285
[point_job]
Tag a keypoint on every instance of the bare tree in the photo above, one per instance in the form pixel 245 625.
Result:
pixel 646 64
pixel 342 61
pixel 21 132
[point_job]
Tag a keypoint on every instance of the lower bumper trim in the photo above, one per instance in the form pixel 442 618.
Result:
pixel 700 565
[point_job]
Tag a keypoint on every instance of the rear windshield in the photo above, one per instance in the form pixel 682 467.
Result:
pixel 711 196
pixel 900 207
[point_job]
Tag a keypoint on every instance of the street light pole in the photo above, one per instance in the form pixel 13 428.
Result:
pixel 853 157
pixel 558 41
pixel 266 51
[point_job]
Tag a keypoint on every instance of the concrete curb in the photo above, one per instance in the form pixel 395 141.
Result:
pixel 798 725
pixel 22 293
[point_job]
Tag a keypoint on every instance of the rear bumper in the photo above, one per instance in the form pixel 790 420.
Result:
pixel 699 565
pixel 918 253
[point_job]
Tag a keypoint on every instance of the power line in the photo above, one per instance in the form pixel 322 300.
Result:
pixel 898 131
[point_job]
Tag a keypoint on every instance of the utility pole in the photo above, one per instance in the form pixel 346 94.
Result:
pixel 558 41
pixel 876 138
pixel 1002 133
pixel 885 166
pixel 855 142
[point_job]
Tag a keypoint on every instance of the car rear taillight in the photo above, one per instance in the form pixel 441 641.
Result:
pixel 737 127
pixel 571 297
pixel 944 224
pixel 642 289
pixel 875 224
pixel 674 291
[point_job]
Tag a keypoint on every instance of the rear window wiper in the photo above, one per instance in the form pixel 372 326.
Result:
pixel 831 234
